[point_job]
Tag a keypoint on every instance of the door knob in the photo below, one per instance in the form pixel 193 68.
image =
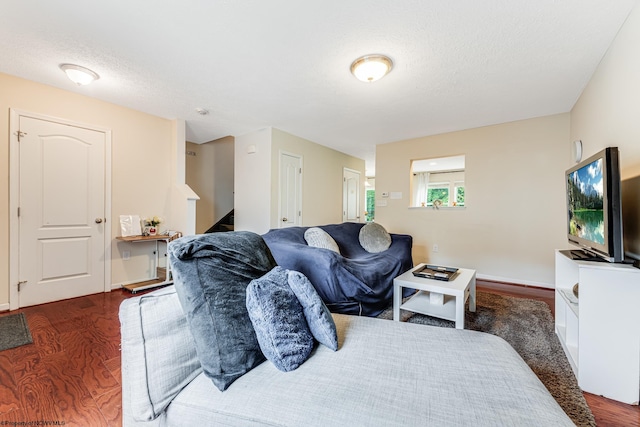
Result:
pixel 98 220
pixel 284 220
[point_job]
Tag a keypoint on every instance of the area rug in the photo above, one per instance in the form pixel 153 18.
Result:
pixel 528 326
pixel 14 331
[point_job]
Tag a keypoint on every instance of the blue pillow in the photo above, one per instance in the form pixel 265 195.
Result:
pixel 316 312
pixel 211 273
pixel 278 319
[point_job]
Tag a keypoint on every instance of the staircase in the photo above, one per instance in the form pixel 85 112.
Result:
pixel 225 224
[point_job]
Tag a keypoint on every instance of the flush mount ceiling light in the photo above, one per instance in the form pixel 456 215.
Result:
pixel 202 111
pixel 79 75
pixel 370 68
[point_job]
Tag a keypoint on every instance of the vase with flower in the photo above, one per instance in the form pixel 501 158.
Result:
pixel 151 226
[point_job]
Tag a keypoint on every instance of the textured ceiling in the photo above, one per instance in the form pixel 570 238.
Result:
pixel 459 64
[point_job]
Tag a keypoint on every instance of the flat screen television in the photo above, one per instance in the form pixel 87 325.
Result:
pixel 630 189
pixel 594 207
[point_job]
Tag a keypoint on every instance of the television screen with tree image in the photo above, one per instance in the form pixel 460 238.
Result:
pixel 594 213
pixel 586 202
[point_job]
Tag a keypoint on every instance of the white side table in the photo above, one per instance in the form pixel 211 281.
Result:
pixel 155 281
pixel 437 298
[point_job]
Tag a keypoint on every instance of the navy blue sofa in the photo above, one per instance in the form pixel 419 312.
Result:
pixel 352 282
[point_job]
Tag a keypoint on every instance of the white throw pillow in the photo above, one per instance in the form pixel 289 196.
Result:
pixel 318 238
pixel 374 238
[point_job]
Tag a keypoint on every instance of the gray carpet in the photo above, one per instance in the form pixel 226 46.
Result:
pixel 14 331
pixel 529 327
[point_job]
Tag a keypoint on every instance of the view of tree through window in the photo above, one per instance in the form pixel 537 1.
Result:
pixel 439 180
pixel 460 196
pixel 371 205
pixel 441 194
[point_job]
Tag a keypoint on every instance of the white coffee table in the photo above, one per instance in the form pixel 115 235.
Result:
pixel 437 298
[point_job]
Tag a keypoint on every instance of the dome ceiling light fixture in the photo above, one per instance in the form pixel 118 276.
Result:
pixel 370 68
pixel 78 74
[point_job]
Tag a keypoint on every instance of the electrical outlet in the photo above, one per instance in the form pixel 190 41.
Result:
pixel 126 255
pixel 435 248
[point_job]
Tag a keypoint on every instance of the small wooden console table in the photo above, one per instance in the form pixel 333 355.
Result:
pixel 157 281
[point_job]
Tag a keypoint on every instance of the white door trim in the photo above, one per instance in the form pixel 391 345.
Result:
pixel 300 181
pixel 344 195
pixel 14 199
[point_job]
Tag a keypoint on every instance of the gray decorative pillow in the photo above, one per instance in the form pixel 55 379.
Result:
pixel 374 238
pixel 278 319
pixel 318 238
pixel 316 312
pixel 211 273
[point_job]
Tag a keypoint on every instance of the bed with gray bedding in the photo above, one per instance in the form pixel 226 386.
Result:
pixel 384 373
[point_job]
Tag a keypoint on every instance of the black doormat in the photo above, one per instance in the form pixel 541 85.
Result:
pixel 14 331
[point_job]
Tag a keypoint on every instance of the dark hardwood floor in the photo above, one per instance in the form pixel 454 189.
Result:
pixel 607 412
pixel 71 372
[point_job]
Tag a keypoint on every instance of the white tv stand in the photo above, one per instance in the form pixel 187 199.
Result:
pixel 600 331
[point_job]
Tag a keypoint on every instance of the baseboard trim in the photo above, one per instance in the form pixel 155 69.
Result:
pixel 515 289
pixel 4 307
pixel 507 281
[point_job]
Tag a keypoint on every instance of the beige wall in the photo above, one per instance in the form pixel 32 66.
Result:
pixel 514 195
pixel 256 179
pixel 141 161
pixel 321 179
pixel 252 181
pixel 608 111
pixel 606 114
pixel 210 174
pixel 514 175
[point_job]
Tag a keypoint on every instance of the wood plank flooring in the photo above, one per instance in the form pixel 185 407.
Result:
pixel 71 372
pixel 607 412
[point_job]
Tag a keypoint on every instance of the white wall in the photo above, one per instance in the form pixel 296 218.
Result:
pixel 608 111
pixel 252 181
pixel 210 175
pixel 256 179
pixel 321 179
pixel 514 195
pixel 183 199
pixel 223 167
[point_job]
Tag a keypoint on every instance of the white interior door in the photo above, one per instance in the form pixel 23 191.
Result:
pixel 351 196
pixel 290 190
pixel 61 211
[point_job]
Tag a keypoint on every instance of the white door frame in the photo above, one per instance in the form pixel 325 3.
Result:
pixel 14 198
pixel 299 195
pixel 345 196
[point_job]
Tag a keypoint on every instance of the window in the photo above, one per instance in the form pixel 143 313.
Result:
pixel 459 192
pixel 370 193
pixel 438 182
pixel 438 193
pixel 371 205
